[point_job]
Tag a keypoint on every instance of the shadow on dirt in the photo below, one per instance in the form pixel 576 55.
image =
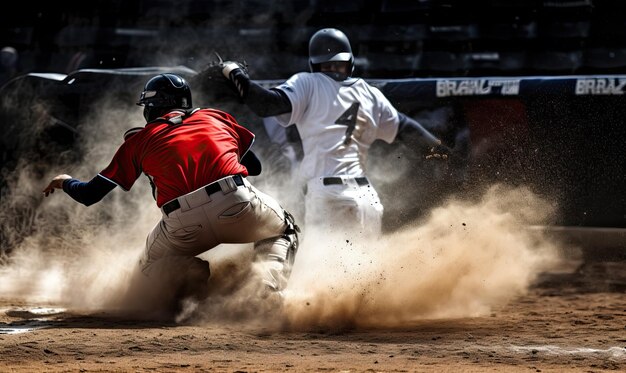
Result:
pixel 589 277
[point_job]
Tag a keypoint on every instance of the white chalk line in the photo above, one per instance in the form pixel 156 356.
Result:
pixel 613 352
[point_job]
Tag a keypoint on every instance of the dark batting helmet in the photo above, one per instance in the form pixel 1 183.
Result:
pixel 327 45
pixel 162 93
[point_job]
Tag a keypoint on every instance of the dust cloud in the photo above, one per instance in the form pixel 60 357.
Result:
pixel 74 256
pixel 464 259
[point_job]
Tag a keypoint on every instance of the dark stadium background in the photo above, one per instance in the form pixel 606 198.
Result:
pixel 564 144
pixel 391 38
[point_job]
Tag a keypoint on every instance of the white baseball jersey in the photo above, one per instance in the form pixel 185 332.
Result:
pixel 325 113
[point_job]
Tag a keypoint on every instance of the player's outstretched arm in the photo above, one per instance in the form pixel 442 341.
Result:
pixel 86 193
pixel 262 101
pixel 413 133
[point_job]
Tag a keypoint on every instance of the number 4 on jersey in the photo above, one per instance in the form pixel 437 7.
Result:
pixel 348 118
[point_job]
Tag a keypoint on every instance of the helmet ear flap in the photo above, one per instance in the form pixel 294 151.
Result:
pixel 151 113
pixel 315 67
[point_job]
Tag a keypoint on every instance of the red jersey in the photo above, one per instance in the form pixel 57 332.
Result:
pixel 181 158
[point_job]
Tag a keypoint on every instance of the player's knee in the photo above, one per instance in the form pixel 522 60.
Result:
pixel 274 258
pixel 278 255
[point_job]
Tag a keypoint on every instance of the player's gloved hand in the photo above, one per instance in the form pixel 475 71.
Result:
pixel 439 151
pixel 237 74
pixel 217 81
pixel 229 66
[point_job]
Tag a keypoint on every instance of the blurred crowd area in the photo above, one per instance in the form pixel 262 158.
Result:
pixel 391 38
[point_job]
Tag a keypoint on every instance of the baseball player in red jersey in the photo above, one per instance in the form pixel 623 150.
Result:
pixel 338 118
pixel 197 161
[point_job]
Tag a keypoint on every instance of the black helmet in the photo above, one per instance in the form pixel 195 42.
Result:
pixel 163 93
pixel 329 44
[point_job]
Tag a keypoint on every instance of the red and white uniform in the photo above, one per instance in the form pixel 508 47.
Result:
pixel 181 158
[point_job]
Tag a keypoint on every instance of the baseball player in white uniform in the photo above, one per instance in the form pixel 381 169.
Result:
pixel 338 118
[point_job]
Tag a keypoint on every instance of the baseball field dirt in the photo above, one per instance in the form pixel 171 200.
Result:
pixel 468 288
pixel 569 321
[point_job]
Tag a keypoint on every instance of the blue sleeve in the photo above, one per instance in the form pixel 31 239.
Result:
pixel 90 192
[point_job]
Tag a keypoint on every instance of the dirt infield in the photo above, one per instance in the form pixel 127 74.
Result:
pixel 572 319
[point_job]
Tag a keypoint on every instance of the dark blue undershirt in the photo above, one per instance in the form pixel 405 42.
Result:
pixel 90 192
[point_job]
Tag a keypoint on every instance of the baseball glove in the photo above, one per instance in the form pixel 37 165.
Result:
pixel 214 85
